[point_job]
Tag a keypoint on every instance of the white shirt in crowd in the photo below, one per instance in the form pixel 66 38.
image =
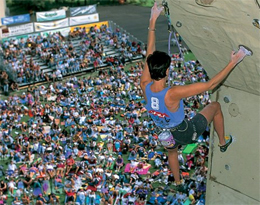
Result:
pixel 12 167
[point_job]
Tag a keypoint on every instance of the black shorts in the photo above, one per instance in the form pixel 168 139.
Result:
pixel 70 198
pixel 184 132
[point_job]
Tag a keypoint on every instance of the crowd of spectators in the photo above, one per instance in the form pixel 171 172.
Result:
pixel 61 55
pixel 89 140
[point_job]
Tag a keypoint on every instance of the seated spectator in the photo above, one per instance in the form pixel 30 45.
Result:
pixel 132 199
pixel 189 161
pixel 54 199
pixel 132 155
pixel 192 194
pixel 119 163
pixel 69 164
pixel 14 86
pixel 107 198
pixel 70 196
pixel 158 162
pixel 178 202
pixel 11 186
pixel 12 168
pixel 142 193
pixel 26 199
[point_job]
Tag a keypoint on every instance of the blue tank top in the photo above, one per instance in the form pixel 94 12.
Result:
pixel 158 111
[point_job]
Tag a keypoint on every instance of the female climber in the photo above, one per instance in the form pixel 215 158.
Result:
pixel 165 104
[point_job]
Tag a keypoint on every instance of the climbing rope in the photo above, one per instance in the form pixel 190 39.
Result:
pixel 171 29
pixel 171 32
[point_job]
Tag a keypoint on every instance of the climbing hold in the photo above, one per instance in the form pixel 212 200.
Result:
pixel 233 109
pixel 227 167
pixel 178 24
pixel 226 99
pixel 246 50
pixel 205 3
pixel 256 23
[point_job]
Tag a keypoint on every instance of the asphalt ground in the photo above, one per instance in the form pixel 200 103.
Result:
pixel 135 20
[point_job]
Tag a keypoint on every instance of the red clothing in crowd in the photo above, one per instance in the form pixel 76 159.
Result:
pixel 70 161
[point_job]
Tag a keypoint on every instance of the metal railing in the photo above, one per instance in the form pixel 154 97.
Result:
pixel 132 38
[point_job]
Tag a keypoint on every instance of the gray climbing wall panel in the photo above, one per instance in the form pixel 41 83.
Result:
pixel 211 31
pixel 233 176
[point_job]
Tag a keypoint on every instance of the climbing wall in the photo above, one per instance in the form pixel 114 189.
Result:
pixel 211 29
pixel 2 10
pixel 233 176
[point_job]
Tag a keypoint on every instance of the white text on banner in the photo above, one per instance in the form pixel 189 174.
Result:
pixel 50 15
pixel 21 29
pixel 43 26
pixel 84 19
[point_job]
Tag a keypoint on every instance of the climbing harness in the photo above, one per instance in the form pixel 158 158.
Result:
pixel 166 138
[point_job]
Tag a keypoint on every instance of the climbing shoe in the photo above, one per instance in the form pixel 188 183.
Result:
pixel 224 147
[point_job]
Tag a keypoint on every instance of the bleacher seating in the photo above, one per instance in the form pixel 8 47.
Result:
pixel 108 51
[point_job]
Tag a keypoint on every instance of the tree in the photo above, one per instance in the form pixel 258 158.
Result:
pixel 35 5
